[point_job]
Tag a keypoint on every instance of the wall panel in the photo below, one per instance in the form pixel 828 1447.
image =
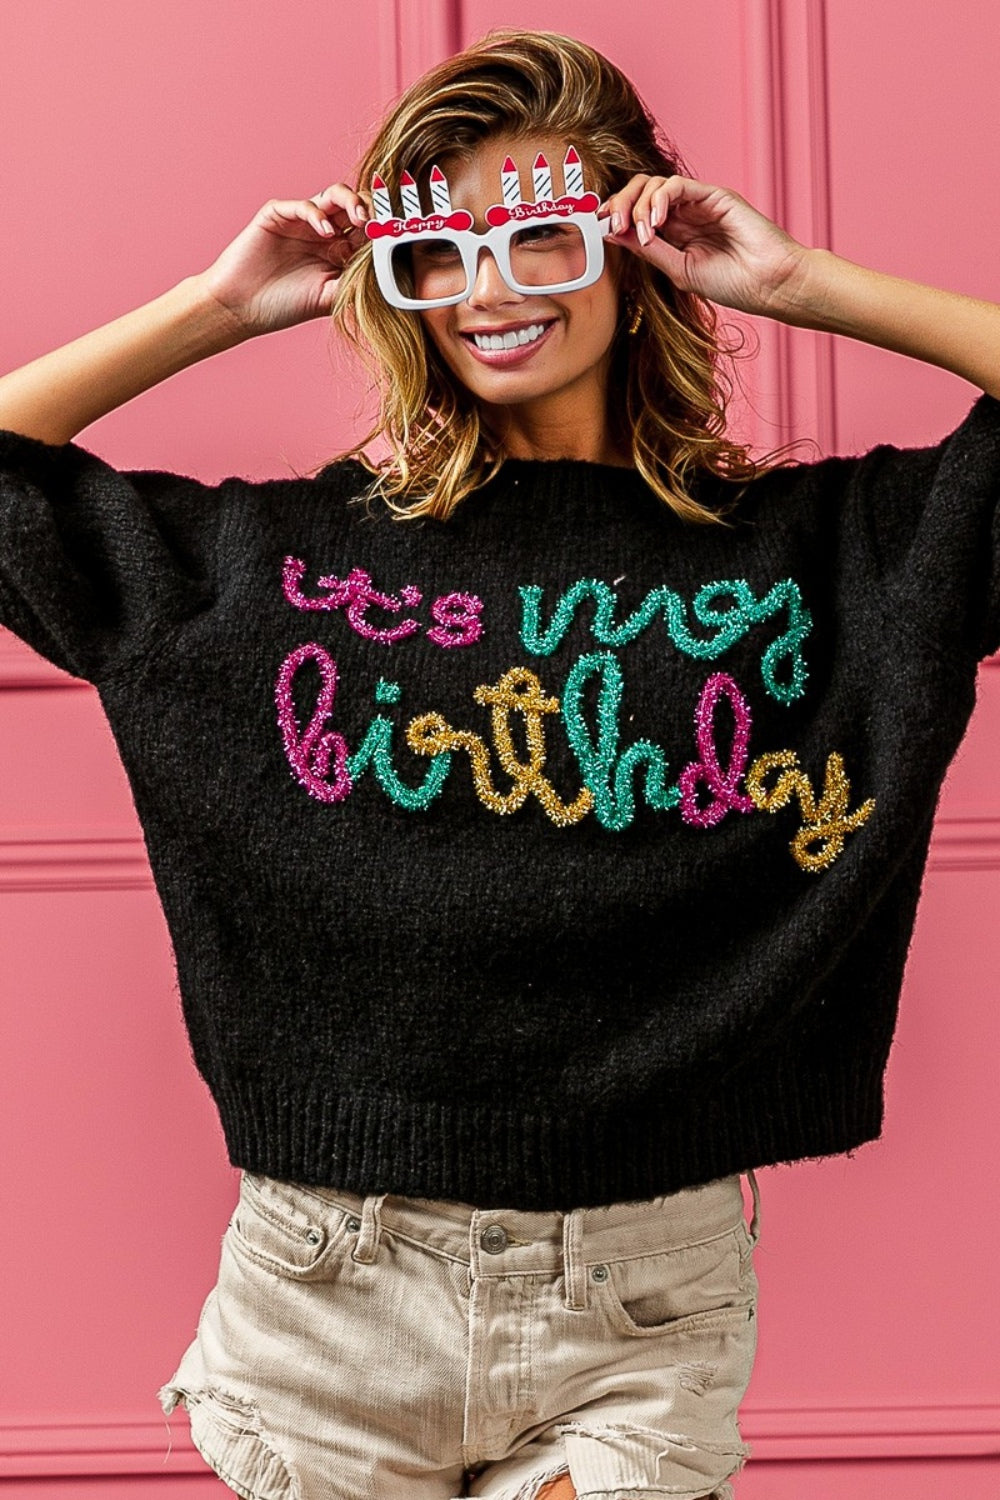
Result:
pixel 868 127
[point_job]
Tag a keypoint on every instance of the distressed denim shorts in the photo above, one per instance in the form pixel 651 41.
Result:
pixel 391 1348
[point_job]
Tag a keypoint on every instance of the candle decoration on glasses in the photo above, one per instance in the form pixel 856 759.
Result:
pixel 440 196
pixel 546 245
pixel 510 182
pixel 541 179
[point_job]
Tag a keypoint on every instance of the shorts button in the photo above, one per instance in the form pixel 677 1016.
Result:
pixel 599 1273
pixel 494 1239
pixel 314 1236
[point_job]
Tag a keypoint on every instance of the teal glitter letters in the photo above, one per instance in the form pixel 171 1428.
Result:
pixel 376 750
pixel 613 807
pixel 730 623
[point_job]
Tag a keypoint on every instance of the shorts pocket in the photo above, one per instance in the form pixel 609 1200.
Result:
pixel 683 1288
pixel 287 1230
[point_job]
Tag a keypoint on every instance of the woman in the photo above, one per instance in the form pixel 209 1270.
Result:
pixel 560 867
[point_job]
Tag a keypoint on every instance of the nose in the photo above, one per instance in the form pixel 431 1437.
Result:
pixel 489 288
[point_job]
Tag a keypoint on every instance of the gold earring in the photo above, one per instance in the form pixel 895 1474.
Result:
pixel 636 318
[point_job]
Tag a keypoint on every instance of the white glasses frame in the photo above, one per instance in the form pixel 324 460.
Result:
pixel 386 236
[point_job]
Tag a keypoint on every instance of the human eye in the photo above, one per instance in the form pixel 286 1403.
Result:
pixel 538 234
pixel 435 252
pixel 543 236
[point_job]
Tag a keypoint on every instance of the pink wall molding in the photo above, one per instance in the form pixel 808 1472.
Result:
pixel 414 35
pixel 20 667
pixel 792 119
pixel 73 859
pixel 965 843
pixel 788 178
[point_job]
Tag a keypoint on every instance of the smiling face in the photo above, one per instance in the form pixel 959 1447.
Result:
pixel 556 349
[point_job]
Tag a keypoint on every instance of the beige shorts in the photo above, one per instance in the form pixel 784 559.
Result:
pixel 389 1348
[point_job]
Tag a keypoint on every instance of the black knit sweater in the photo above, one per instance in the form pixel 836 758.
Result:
pixel 557 854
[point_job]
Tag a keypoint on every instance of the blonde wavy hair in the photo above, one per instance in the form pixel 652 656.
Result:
pixel 667 392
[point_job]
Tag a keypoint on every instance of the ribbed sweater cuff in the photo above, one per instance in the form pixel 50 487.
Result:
pixel 493 1158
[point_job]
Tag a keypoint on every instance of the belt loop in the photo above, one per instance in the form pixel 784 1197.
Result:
pixel 367 1244
pixel 755 1221
pixel 574 1269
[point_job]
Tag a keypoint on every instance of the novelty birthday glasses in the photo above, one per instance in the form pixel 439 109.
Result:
pixel 550 245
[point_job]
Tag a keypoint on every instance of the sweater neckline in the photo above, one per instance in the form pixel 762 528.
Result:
pixel 526 464
pixel 554 466
pixel 565 478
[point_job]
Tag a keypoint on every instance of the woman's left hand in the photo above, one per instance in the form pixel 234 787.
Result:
pixel 710 241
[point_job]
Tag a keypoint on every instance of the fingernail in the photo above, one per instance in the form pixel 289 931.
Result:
pixel 616 223
pixel 642 230
pixel 654 215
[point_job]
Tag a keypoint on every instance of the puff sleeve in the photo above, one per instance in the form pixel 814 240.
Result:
pixel 931 516
pixel 96 563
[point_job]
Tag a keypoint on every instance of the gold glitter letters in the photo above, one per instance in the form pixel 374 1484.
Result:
pixel 824 825
pixel 518 691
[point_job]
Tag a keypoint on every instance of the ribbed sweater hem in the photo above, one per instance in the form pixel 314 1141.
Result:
pixel 526 1159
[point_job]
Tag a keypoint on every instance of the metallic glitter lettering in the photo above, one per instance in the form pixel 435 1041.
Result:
pixel 729 624
pixel 309 753
pixel 375 750
pixel 356 595
pixel 599 760
pixel 824 824
pixel 518 691
pixel 707 769
pixel 457 617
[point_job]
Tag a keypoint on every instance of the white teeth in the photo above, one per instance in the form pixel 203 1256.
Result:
pixel 509 340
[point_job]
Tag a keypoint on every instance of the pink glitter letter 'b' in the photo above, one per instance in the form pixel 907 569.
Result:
pixel 309 754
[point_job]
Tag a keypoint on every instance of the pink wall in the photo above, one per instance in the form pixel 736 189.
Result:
pixel 137 142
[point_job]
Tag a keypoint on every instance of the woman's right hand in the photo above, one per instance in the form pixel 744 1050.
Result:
pixel 283 268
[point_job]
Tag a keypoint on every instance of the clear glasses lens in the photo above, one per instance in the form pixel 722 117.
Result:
pixel 427 269
pixel 548 254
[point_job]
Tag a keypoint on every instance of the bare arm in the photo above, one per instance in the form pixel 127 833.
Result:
pixel 54 397
pixel 959 333
pixel 280 270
